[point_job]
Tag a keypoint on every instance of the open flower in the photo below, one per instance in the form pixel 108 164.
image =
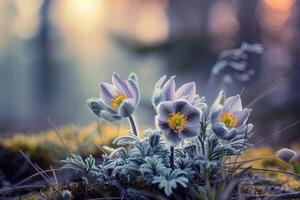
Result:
pixel 168 92
pixel 178 120
pixel 117 100
pixel 228 118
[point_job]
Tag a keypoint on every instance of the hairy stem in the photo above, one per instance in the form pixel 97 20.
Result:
pixel 133 126
pixel 172 157
pixel 201 137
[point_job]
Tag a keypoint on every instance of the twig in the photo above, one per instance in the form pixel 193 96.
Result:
pixel 34 175
pixel 33 165
pixel 291 195
pixel 57 134
pixel 248 161
pixel 275 133
pixel 37 169
pixel 55 177
pixel 20 187
pixel 275 171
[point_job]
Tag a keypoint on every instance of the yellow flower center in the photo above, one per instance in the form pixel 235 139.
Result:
pixel 116 102
pixel 229 120
pixel 177 122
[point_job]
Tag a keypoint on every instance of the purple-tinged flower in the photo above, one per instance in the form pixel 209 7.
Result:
pixel 117 100
pixel 168 92
pixel 178 120
pixel 228 118
pixel 285 154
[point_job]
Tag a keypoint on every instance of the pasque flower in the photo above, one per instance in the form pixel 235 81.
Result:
pixel 178 120
pixel 286 154
pixel 228 118
pixel 117 100
pixel 168 92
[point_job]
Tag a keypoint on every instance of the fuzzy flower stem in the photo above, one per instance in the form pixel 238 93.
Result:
pixel 202 146
pixel 133 126
pixel 172 157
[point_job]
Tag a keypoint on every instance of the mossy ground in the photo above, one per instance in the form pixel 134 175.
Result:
pixel 49 147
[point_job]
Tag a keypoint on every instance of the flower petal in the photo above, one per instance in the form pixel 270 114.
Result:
pixel 107 93
pixel 168 133
pixel 189 132
pixel 162 125
pixel 225 133
pixel 232 104
pixel 187 90
pixel 218 102
pixel 169 89
pixel 122 85
pixel 133 76
pixel 180 106
pixel 160 82
pixel 245 129
pixel 97 105
pixel 109 116
pixel 172 137
pixel 242 116
pixel 193 115
pixel 126 108
pixel 157 94
pixel 135 90
pixel 219 129
pixel 164 109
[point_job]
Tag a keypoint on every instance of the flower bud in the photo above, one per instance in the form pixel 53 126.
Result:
pixel 286 154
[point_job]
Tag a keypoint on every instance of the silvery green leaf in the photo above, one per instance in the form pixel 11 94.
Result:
pixel 89 163
pixel 108 149
pixel 119 153
pixel 154 138
pixel 125 140
pixel 171 180
pixel 126 108
pixel 191 150
pixel 76 162
pixel 153 166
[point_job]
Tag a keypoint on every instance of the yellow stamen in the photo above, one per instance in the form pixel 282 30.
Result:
pixel 116 102
pixel 177 122
pixel 229 120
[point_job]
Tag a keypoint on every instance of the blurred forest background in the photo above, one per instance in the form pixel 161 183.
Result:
pixel 53 54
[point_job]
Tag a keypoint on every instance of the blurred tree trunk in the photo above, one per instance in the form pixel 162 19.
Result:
pixel 45 72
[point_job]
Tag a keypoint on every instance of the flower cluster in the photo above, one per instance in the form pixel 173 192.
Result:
pixel 179 112
pixel 190 145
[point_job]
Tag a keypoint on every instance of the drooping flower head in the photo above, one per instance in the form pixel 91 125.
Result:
pixel 117 100
pixel 228 118
pixel 168 92
pixel 178 120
